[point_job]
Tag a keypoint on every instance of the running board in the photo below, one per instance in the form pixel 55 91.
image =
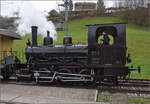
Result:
pixel 64 77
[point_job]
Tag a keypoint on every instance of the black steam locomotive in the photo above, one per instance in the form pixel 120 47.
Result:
pixel 93 63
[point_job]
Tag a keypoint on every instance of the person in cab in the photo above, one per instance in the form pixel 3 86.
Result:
pixel 105 38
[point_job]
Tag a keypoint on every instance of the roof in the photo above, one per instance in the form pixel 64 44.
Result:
pixel 84 3
pixel 8 33
pixel 104 24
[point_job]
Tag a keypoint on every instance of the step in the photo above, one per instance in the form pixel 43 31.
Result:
pixel 22 75
pixel 45 77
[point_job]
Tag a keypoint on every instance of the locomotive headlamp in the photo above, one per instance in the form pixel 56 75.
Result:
pixel 129 58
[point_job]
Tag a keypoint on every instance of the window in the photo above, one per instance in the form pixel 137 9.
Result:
pixel 100 38
pixel 110 31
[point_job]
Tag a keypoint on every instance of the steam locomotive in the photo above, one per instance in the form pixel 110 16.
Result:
pixel 88 64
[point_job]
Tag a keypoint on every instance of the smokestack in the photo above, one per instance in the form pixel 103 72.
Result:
pixel 34 36
pixel 47 33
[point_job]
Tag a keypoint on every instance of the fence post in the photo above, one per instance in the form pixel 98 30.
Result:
pixel 148 5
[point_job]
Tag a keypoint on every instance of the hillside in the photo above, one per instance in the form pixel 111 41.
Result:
pixel 138 41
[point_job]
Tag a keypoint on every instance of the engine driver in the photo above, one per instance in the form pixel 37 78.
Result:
pixel 105 38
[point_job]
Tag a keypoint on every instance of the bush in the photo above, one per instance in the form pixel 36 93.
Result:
pixel 138 16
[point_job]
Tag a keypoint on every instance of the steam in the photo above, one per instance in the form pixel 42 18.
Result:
pixel 30 16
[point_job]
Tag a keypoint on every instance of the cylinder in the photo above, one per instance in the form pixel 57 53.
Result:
pixel 34 36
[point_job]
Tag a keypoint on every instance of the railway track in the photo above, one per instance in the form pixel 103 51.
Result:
pixel 131 86
pixel 135 83
pixel 128 90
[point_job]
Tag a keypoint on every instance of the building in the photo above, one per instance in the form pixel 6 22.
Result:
pixel 85 6
pixel 6 42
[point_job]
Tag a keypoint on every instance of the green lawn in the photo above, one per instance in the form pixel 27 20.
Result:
pixel 138 41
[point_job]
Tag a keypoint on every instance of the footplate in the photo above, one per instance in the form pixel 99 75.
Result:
pixel 51 76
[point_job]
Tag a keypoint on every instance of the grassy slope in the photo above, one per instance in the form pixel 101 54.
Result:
pixel 138 41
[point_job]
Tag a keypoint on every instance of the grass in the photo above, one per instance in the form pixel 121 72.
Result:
pixel 103 98
pixel 20 45
pixel 138 41
pixel 138 101
pixel 124 99
pixel 78 30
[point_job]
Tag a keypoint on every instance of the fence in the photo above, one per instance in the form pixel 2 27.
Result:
pixel 19 54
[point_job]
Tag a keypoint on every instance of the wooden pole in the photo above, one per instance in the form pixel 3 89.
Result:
pixel 148 5
pixel 0 8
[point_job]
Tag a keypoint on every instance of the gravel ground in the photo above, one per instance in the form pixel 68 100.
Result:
pixel 26 94
pixel 41 94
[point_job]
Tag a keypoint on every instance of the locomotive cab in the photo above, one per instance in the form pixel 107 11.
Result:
pixel 109 60
pixel 114 53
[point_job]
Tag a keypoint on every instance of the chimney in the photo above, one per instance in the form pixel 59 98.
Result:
pixel 34 36
pixel 47 33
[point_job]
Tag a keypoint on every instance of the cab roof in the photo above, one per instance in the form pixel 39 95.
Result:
pixel 106 24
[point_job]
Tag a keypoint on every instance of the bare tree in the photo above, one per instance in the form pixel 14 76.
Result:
pixel 133 4
pixel 70 5
pixel 101 6
pixel 135 12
